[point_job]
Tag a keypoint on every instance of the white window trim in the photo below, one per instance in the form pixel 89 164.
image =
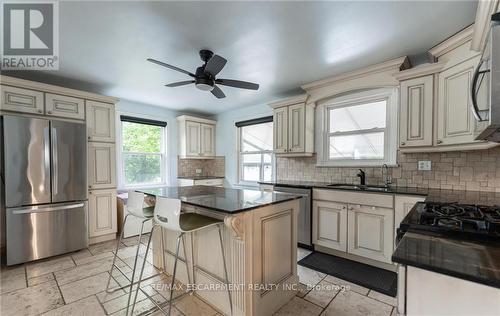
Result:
pixel 241 182
pixel 119 156
pixel 391 135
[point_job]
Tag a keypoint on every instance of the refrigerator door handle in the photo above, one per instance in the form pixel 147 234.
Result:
pixel 40 209
pixel 55 171
pixel 46 152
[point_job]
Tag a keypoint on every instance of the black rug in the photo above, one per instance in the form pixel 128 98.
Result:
pixel 377 279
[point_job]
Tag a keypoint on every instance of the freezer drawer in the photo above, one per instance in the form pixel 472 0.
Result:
pixel 38 232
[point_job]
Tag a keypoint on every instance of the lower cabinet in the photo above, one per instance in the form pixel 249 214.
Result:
pixel 102 212
pixel 330 225
pixel 370 230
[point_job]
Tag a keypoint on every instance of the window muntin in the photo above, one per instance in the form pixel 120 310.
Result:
pixel 256 153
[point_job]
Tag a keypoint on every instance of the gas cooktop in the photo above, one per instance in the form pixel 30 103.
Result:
pixel 464 221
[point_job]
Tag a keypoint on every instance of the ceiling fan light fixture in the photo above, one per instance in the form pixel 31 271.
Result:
pixel 204 84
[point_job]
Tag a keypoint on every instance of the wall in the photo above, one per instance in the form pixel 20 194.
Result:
pixel 226 137
pixel 209 167
pixel 156 113
pixel 472 170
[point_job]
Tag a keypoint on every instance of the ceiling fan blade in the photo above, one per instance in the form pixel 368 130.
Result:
pixel 171 67
pixel 180 83
pixel 238 84
pixel 215 65
pixel 218 92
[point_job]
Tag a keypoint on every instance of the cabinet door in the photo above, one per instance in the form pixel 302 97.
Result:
pixel 100 121
pixel 330 225
pixel 102 165
pixel 296 128
pixel 370 232
pixel 102 212
pixel 21 100
pixel 455 122
pixel 415 127
pixel 64 106
pixel 280 130
pixel 402 206
pixel 193 139
pixel 207 140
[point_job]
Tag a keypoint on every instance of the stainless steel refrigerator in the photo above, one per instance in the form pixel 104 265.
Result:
pixel 44 180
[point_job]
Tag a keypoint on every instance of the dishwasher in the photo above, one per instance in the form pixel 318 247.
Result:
pixel 304 222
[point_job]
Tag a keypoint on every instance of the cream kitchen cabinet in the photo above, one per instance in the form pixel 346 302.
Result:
pixel 415 125
pixel 100 121
pixel 330 225
pixel 21 100
pixel 196 137
pixel 370 232
pixel 293 127
pixel 64 106
pixel 101 165
pixel 402 206
pixel 102 212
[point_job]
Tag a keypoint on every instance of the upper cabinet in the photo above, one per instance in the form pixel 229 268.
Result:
pixel 22 100
pixel 64 106
pixel 100 121
pixel 293 125
pixel 196 137
pixel 435 104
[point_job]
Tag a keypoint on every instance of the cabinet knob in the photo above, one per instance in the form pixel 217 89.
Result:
pixel 403 143
pixel 49 112
pixel 89 137
pixel 40 111
pixel 439 141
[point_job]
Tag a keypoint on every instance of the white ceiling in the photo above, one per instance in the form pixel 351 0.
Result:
pixel 280 45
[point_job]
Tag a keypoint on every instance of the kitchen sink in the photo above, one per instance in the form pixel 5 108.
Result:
pixel 361 187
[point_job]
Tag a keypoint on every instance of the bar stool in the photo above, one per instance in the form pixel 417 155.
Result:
pixel 136 208
pixel 167 214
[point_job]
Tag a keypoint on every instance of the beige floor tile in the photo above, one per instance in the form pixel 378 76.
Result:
pixel 40 279
pixel 308 276
pixel 31 300
pixel 298 306
pixel 192 305
pixel 322 294
pixel 302 253
pixel 144 306
pixel 114 305
pixel 383 298
pixel 106 246
pixel 13 270
pixel 354 304
pixel 49 265
pixel 127 252
pixel 85 307
pixel 88 259
pixel 82 288
pixel 104 296
pixel 348 285
pixel 83 271
pixel 173 312
pixel 84 253
pixel 303 290
pixel 12 280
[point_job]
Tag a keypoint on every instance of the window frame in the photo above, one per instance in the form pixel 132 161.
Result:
pixel 240 153
pixel 353 99
pixel 120 155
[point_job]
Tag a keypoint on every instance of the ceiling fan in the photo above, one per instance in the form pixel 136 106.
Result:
pixel 204 77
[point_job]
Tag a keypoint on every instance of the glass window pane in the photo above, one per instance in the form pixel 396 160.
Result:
pixel 141 138
pixel 268 172
pixel 357 117
pixel 268 158
pixel 362 146
pixel 257 137
pixel 251 173
pixel 251 158
pixel 141 169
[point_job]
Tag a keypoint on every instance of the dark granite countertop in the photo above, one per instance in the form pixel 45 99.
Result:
pixel 224 200
pixel 432 195
pixel 473 261
pixel 201 177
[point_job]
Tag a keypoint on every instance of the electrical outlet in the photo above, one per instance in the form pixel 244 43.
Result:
pixel 424 165
pixel 198 171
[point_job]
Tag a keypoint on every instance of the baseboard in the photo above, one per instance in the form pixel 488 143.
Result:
pixel 98 239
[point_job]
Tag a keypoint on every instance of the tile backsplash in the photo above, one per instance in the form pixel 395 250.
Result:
pixel 209 167
pixel 467 170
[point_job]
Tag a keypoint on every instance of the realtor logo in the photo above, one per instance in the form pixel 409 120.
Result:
pixel 30 35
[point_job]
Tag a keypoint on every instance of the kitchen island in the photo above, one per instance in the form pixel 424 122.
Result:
pixel 260 243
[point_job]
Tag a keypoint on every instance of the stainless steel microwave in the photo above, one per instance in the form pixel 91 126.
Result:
pixel 486 106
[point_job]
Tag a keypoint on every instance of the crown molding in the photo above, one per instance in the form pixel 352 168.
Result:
pixel 289 101
pixel 396 64
pixel 482 23
pixel 195 119
pixel 48 88
pixel 452 42
pixel 420 71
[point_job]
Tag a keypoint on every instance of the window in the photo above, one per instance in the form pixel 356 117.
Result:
pixel 256 157
pixel 359 129
pixel 143 159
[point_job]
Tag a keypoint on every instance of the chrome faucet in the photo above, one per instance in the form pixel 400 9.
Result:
pixel 362 177
pixel 385 176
